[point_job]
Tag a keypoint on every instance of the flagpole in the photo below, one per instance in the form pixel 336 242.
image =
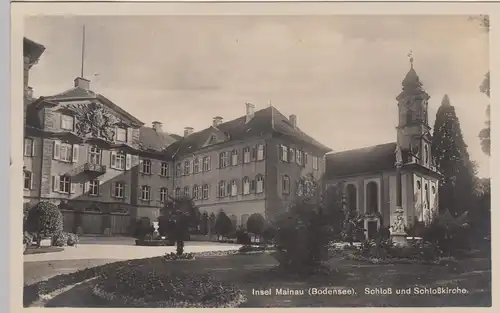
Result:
pixel 83 49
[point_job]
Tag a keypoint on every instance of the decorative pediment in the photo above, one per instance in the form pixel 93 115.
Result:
pixel 93 119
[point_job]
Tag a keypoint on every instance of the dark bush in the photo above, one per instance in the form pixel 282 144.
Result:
pixel 256 223
pixel 72 239
pixel 27 238
pixel 450 234
pixel 242 237
pixel 60 240
pixel 143 227
pixel 44 220
pixel 269 233
pixel 223 225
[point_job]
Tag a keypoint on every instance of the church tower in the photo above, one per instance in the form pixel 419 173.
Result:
pixel 413 130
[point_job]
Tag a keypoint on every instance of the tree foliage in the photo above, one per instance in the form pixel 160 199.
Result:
pixel 223 225
pixel 43 220
pixel 256 224
pixel 453 161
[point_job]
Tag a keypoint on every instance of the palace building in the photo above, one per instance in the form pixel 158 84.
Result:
pixel 384 188
pixel 105 168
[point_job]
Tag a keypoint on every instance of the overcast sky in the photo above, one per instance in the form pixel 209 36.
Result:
pixel 339 74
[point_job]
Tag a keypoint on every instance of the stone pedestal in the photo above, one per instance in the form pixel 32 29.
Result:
pixel 398 225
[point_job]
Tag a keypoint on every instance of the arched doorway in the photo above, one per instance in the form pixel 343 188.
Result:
pixel 352 195
pixel 372 198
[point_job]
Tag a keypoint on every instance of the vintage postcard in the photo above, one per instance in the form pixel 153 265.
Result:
pixel 207 157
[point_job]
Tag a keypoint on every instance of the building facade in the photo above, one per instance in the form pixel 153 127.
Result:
pixel 370 175
pixel 105 168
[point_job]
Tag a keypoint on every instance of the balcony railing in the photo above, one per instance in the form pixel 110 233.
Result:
pixel 90 168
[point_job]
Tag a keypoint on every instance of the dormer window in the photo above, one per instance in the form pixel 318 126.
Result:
pixel 121 134
pixel 67 122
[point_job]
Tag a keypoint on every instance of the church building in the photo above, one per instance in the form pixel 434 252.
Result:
pixel 396 182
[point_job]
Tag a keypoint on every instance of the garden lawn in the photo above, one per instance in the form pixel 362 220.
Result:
pixel 257 271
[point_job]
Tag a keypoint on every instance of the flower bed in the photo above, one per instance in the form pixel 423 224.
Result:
pixel 175 256
pixel 35 250
pixel 155 284
pixel 252 248
pixel 154 242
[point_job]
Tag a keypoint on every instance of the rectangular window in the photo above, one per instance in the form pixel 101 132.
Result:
pixel 222 189
pixel 246 186
pixel 178 170
pixel 94 188
pixel 163 194
pixel 145 193
pixel 95 155
pixel 164 169
pixel 284 153
pixel 206 164
pixel 118 160
pixel 64 184
pixel 119 190
pixel 146 166
pixel 67 122
pixel 291 155
pixel 315 162
pixel 186 191
pixel 224 159
pixel 234 157
pixel 28 147
pixel 121 134
pixel 187 167
pixel 27 180
pixel 299 157
pixel 205 191
pixel 65 152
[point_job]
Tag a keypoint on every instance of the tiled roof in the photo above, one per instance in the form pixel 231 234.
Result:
pixel 358 161
pixel 150 139
pixel 32 49
pixel 265 121
pixel 75 92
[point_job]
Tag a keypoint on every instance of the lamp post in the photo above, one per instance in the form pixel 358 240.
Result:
pixel 398 232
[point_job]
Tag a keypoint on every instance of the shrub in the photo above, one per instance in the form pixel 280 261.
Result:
pixel 26 208
pixel 256 223
pixel 302 237
pixel 242 237
pixel 269 233
pixel 143 227
pixel 223 225
pixel 72 239
pixel 60 240
pixel 45 219
pixel 449 233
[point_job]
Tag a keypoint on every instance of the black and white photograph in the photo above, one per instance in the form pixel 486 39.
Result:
pixel 255 160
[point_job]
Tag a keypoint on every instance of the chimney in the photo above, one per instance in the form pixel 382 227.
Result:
pixel 188 131
pixel 293 120
pixel 250 111
pixel 157 127
pixel 217 121
pixel 82 83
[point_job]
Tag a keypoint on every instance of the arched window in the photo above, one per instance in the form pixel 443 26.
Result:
pixel 234 188
pixel 246 155
pixel 286 185
pixel 259 188
pixel 352 195
pixel 205 191
pixel 246 185
pixel 234 220
pixel 196 165
pixel 234 157
pixel 372 197
pixel 244 219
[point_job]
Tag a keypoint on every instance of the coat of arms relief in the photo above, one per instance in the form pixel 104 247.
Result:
pixel 94 119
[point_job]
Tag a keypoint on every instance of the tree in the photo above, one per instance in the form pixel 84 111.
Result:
pixel 182 215
pixel 484 134
pixel 456 191
pixel 334 202
pixel 223 225
pixel 256 224
pixel 43 220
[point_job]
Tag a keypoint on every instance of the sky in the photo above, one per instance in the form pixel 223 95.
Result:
pixel 339 74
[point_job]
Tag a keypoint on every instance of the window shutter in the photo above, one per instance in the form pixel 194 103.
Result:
pixel 99 188
pixel 75 153
pixel 112 189
pixel 151 194
pixel 56 182
pixel 254 153
pixel 128 161
pixel 31 180
pixel 305 158
pixel 113 159
pixel 141 165
pixel 130 132
pixel 86 187
pixel 209 163
pixel 72 187
pixel 139 193
pixel 264 151
pixel 125 190
pixel 57 150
